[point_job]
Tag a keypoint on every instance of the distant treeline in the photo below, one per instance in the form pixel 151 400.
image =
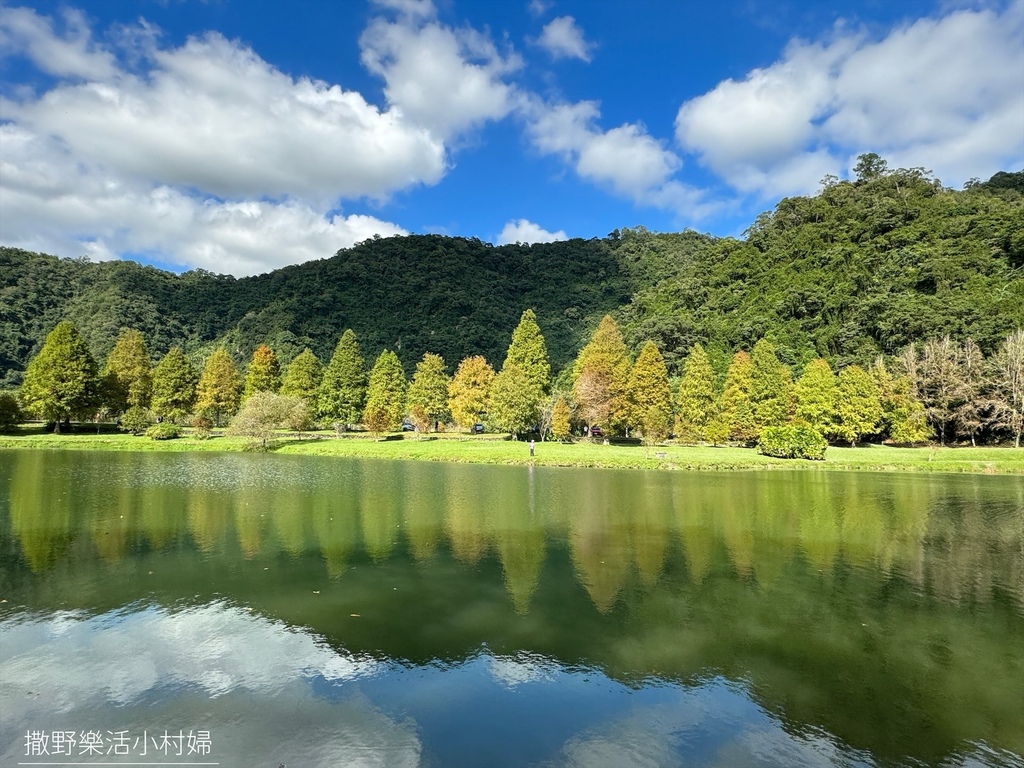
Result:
pixel 942 390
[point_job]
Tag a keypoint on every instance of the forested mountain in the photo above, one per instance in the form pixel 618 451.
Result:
pixel 414 294
pixel 864 267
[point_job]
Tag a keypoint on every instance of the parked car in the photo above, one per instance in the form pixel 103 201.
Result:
pixel 478 429
pixel 407 427
pixel 596 431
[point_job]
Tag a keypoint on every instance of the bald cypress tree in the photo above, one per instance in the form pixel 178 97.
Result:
pixel 469 390
pixel 771 386
pixel 61 381
pixel 343 389
pixel 815 397
pixel 528 351
pixel 128 374
pixel 695 400
pixel 903 416
pixel 220 388
pixel 650 394
pixel 264 374
pixel 428 392
pixel 737 411
pixel 385 394
pixel 601 377
pixel 858 408
pixel 174 386
pixel 303 377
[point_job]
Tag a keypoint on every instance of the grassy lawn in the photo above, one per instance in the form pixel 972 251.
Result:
pixel 494 449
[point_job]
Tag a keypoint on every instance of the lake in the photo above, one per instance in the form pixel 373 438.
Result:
pixel 259 610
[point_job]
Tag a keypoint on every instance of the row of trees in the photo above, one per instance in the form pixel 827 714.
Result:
pixel 941 389
pixel 938 389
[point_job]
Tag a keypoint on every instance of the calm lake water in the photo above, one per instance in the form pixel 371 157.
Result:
pixel 254 610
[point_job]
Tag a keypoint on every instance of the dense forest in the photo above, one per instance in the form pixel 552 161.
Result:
pixel 863 268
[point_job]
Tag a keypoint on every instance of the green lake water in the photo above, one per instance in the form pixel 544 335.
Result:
pixel 259 610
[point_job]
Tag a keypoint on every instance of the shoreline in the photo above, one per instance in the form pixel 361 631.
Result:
pixel 497 450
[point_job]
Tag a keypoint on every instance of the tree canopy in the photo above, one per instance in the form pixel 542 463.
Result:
pixel 61 380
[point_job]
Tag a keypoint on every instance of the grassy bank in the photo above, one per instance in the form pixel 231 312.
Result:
pixel 491 449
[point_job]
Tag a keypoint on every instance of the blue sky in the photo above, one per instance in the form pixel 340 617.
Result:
pixel 243 135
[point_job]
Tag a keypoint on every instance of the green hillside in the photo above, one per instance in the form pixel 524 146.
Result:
pixel 864 267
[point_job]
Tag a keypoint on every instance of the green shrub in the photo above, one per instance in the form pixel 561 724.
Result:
pixel 164 431
pixel 202 426
pixel 136 420
pixel 793 441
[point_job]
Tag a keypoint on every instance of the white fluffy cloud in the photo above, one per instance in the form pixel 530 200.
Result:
pixel 49 203
pixel 626 159
pixel 564 40
pixel 74 53
pixel 945 93
pixel 213 658
pixel 448 80
pixel 209 157
pixel 213 116
pixel 525 231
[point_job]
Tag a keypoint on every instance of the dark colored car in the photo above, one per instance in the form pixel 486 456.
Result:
pixel 407 427
pixel 478 429
pixel 596 432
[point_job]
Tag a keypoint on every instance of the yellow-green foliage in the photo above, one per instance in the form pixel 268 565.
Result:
pixel 264 374
pixel 815 396
pixel 695 400
pixel 61 380
pixel 128 373
pixel 174 386
pixel 650 394
pixel 601 377
pixel 385 395
pixel 220 387
pixel 303 377
pixel 469 390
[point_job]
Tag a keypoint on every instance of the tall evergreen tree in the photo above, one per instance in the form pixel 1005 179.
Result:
pixel 469 390
pixel 858 408
pixel 264 374
pixel 127 374
pixel 560 419
pixel 737 411
pixel 428 392
pixel 650 394
pixel 385 394
pixel 903 416
pixel 695 400
pixel 771 387
pixel 343 389
pixel 528 351
pixel 174 386
pixel 303 377
pixel 220 387
pixel 815 396
pixel 511 406
pixel 601 377
pixel 61 381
